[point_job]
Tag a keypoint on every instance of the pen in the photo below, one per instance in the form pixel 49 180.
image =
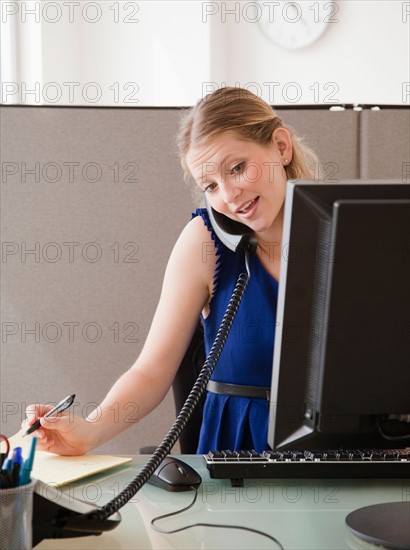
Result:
pixel 8 463
pixel 6 466
pixel 3 455
pixel 62 406
pixel 17 464
pixel 5 480
pixel 25 471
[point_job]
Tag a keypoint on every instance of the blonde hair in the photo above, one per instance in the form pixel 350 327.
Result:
pixel 240 111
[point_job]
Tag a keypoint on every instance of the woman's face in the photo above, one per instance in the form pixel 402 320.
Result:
pixel 244 180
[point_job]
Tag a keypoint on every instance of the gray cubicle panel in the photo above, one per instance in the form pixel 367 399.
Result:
pixel 105 228
pixel 385 143
pixel 333 134
pixel 92 202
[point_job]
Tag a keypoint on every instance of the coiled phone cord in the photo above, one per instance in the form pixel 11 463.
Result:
pixel 192 400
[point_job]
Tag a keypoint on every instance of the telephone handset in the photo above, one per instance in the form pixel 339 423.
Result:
pixel 236 236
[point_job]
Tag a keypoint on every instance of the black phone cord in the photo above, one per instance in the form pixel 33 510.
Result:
pixel 172 436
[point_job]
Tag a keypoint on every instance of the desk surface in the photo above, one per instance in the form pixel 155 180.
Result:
pixel 301 514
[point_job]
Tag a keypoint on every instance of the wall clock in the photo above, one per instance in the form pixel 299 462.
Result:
pixel 296 25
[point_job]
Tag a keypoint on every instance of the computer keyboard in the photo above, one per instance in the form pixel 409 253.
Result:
pixel 356 463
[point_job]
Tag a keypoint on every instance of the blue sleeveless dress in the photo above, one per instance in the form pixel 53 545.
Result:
pixel 231 422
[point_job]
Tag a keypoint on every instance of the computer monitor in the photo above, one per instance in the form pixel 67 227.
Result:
pixel 341 366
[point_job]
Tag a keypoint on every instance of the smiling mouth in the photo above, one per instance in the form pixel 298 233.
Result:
pixel 247 206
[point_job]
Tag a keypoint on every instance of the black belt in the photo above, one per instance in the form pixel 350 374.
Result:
pixel 255 392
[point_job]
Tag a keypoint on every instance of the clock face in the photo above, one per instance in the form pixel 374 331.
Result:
pixel 295 25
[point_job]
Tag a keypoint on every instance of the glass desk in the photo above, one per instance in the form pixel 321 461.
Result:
pixel 301 514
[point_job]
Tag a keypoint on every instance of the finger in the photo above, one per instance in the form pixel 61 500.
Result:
pixel 61 422
pixel 40 434
pixel 47 444
pixel 25 425
pixel 35 410
pixel 43 443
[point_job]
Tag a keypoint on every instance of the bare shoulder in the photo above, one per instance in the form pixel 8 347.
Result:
pixel 196 250
pixel 196 231
pixel 185 293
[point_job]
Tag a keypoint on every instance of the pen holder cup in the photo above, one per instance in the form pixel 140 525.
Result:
pixel 16 512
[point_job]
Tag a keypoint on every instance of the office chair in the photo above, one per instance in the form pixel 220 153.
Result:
pixel 184 380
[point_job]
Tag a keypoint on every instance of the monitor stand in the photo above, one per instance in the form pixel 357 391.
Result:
pixel 386 524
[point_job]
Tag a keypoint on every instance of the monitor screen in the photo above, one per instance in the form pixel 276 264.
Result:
pixel 341 366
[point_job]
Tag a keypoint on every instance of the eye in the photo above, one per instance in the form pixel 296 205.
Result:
pixel 238 168
pixel 210 187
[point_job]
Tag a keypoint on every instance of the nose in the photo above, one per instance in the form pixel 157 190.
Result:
pixel 229 191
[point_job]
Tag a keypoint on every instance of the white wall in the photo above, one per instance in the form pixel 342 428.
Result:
pixel 106 52
pixel 361 58
pixel 170 52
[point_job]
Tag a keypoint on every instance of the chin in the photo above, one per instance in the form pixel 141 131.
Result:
pixel 260 226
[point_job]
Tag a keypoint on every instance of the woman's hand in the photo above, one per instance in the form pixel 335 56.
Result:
pixel 64 434
pixel 186 289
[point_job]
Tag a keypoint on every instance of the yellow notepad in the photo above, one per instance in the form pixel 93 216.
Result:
pixel 58 470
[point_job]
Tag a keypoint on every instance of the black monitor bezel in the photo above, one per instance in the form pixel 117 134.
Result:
pixel 288 428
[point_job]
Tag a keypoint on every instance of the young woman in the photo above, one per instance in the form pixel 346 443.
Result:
pixel 240 154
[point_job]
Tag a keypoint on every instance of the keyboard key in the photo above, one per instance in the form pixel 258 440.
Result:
pixel 230 455
pixel 216 455
pixel 330 464
pixel 332 456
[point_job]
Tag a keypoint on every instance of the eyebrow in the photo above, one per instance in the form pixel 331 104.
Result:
pixel 203 178
pixel 223 161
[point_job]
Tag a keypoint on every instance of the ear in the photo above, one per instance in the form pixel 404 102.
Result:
pixel 282 140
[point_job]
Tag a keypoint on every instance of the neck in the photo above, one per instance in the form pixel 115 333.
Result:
pixel 270 241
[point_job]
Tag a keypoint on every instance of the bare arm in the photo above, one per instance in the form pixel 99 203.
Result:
pixel 185 292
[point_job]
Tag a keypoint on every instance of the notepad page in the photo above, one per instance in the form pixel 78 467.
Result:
pixel 59 470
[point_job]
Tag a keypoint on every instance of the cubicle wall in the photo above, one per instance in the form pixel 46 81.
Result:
pixel 385 143
pixel 92 201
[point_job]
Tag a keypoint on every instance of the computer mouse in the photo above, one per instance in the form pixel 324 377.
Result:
pixel 175 475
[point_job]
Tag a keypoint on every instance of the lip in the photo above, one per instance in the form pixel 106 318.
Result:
pixel 244 204
pixel 250 212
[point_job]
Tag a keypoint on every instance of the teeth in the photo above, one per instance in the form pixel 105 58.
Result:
pixel 248 205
